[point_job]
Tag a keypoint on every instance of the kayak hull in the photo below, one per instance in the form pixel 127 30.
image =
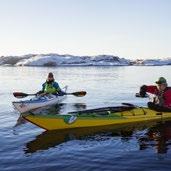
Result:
pixel 37 102
pixel 59 122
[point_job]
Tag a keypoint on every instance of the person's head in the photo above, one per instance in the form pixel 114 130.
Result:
pixel 161 83
pixel 50 77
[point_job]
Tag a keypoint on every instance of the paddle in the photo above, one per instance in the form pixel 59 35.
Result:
pixel 129 104
pixel 22 95
pixel 78 93
pixel 104 110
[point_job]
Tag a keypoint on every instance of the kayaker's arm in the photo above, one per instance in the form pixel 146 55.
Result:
pixel 147 89
pixel 151 89
pixel 58 89
pixel 42 92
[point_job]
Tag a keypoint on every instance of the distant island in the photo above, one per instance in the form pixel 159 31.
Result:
pixel 54 60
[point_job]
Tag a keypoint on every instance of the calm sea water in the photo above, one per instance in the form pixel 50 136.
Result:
pixel 134 147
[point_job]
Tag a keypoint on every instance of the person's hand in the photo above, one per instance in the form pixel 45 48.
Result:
pixel 39 92
pixel 143 90
pixel 43 94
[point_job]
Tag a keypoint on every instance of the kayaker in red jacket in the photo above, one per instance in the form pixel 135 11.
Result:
pixel 162 100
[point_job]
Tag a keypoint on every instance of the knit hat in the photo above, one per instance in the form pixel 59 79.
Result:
pixel 50 75
pixel 161 80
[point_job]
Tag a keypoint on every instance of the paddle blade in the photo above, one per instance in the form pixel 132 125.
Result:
pixel 79 93
pixel 20 94
pixel 128 104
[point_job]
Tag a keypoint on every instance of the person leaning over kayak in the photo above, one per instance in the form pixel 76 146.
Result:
pixel 162 99
pixel 51 86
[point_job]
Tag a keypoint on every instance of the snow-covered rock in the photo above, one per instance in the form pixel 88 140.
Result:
pixel 63 60
pixel 152 62
pixel 53 59
pixel 157 62
pixel 12 60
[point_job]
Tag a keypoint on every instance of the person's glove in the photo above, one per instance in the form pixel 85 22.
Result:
pixel 143 90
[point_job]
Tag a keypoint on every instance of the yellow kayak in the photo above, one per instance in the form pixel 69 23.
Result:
pixel 96 118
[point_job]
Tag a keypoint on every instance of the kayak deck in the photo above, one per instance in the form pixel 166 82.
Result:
pixel 82 120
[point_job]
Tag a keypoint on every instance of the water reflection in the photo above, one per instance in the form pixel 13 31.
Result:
pixel 158 136
pixel 61 108
pixel 20 121
pixel 49 139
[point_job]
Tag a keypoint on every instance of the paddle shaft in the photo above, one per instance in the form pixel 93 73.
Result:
pixel 22 95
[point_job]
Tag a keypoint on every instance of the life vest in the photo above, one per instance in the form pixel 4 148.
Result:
pixel 49 88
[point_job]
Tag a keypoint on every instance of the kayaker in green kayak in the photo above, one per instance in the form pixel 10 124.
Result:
pixel 162 99
pixel 51 87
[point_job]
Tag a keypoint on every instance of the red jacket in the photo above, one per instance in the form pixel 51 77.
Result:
pixel 166 95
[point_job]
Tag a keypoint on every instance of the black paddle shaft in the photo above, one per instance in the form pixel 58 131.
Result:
pixel 105 109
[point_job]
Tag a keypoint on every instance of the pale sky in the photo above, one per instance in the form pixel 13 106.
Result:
pixel 127 28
